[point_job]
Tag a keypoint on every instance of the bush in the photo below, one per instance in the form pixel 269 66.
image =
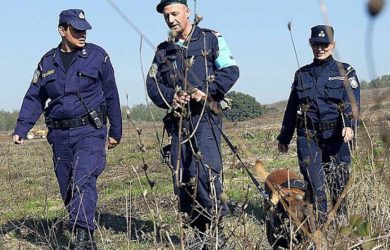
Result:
pixel 243 107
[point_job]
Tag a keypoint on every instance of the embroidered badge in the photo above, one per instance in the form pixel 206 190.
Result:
pixel 153 70
pixel 334 78
pixel 321 34
pixel 81 15
pixel 36 75
pixel 50 72
pixel 353 82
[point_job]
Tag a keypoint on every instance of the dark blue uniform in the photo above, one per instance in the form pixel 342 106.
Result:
pixel 319 107
pixel 210 60
pixel 78 151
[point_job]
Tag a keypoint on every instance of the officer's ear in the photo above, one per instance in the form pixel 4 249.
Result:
pixel 61 31
pixel 188 12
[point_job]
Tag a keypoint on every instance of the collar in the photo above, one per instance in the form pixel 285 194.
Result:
pixel 328 60
pixel 82 52
pixel 195 34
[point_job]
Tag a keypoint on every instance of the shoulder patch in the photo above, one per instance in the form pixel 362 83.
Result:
pixel 36 76
pixel 153 70
pixel 106 58
pixel 353 82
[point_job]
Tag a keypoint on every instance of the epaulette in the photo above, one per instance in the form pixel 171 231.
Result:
pixel 215 33
pixel 163 45
pixel 95 47
pixel 348 68
pixel 49 53
pixel 307 67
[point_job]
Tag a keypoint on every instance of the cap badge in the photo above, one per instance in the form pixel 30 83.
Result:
pixel 321 34
pixel 81 15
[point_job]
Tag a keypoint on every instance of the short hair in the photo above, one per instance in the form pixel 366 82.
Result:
pixel 64 25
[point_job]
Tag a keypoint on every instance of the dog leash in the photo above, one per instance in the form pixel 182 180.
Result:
pixel 234 150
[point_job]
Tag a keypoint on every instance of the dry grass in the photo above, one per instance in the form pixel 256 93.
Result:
pixel 133 215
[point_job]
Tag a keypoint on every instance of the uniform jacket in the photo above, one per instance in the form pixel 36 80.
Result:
pixel 168 68
pixel 322 96
pixel 54 91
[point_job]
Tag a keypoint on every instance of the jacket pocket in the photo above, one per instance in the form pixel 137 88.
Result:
pixel 305 90
pixel 51 86
pixel 334 90
pixel 87 79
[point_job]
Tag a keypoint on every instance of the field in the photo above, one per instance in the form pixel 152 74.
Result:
pixel 132 215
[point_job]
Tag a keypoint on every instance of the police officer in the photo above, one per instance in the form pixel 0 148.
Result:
pixel 321 103
pixel 74 86
pixel 192 67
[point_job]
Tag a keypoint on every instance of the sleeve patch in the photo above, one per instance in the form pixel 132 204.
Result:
pixel 353 82
pixel 153 70
pixel 36 76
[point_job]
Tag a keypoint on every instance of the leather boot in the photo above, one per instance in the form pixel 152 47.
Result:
pixel 84 239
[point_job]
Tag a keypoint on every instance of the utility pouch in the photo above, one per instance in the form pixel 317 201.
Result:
pixel 167 121
pixel 95 119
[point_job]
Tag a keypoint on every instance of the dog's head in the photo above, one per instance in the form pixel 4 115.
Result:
pixel 285 184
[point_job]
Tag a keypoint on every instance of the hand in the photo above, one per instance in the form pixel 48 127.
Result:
pixel 112 143
pixel 17 139
pixel 283 148
pixel 348 134
pixel 198 95
pixel 183 99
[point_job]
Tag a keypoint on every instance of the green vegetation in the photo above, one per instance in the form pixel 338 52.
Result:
pixel 243 107
pixel 8 120
pixel 380 82
pixel 140 112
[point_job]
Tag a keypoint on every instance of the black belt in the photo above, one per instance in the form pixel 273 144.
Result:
pixel 319 126
pixel 75 122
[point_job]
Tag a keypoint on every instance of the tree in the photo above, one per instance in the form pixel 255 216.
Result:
pixel 243 107
pixel 8 120
pixel 140 112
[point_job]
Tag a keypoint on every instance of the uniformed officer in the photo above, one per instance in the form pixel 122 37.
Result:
pixel 192 67
pixel 322 99
pixel 74 86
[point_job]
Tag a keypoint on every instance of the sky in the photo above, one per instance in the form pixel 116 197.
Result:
pixel 255 30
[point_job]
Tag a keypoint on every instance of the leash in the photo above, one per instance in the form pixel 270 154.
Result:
pixel 234 150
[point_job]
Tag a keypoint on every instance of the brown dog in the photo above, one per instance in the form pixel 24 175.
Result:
pixel 286 191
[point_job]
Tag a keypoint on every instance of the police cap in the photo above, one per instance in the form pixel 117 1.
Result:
pixel 163 3
pixel 321 34
pixel 76 18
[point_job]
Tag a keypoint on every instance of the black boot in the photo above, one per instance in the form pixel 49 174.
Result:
pixel 84 239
